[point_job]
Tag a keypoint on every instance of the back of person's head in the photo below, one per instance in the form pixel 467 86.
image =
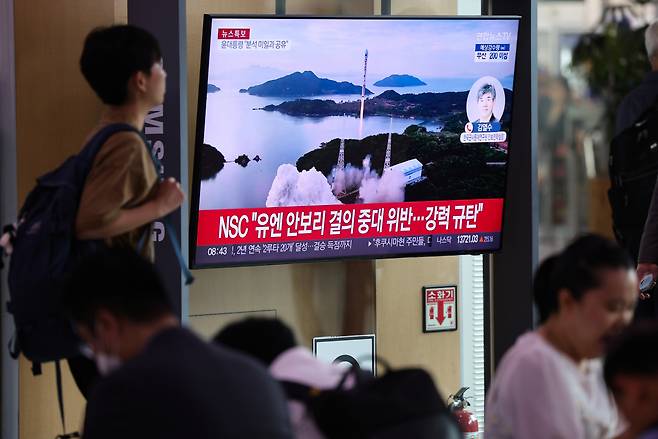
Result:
pixel 120 282
pixel 631 372
pixel 111 55
pixel 262 338
pixel 578 269
pixel 541 286
pixel 633 353
pixel 651 39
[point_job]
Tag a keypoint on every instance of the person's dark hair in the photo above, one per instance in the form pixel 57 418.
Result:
pixel 578 269
pixel 487 88
pixel 111 55
pixel 120 281
pixel 541 286
pixel 262 338
pixel 633 352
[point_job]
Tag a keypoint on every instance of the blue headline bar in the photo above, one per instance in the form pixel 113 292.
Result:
pixel 492 47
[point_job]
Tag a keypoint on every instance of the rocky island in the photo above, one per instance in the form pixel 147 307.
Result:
pixel 303 84
pixel 389 103
pixel 399 81
pixel 243 160
pixel 212 161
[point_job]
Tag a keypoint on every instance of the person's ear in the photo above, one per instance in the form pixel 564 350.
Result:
pixel 86 334
pixel 139 80
pixel 106 324
pixel 565 300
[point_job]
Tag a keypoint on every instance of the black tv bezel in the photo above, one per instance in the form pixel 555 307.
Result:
pixel 200 128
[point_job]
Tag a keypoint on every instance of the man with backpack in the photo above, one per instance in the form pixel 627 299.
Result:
pixel 633 170
pixel 160 380
pixel 644 96
pixel 106 196
pixel 121 196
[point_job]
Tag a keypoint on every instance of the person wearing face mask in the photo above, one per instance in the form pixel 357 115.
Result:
pixel 550 383
pixel 160 380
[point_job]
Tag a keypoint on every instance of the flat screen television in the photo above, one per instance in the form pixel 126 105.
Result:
pixel 322 138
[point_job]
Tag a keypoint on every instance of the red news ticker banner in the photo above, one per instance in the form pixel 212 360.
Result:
pixel 302 223
pixel 224 33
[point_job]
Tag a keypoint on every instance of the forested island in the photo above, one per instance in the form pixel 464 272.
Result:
pixel 399 81
pixel 303 84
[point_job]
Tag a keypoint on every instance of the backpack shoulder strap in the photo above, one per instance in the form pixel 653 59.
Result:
pixel 94 144
pixel 169 227
pixel 60 402
pixel 91 149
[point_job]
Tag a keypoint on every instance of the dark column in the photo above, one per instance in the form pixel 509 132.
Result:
pixel 511 269
pixel 166 126
pixel 386 7
pixel 8 207
pixel 280 7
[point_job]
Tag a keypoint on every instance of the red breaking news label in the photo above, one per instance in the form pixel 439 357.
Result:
pixel 300 223
pixel 233 33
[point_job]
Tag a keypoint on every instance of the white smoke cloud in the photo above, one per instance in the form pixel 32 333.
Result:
pixel 387 189
pixel 372 188
pixel 293 188
pixel 351 178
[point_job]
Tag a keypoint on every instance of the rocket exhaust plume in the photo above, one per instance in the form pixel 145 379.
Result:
pixel 371 187
pixel 293 188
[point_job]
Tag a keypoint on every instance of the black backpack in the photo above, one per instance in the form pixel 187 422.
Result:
pixel 402 403
pixel 633 169
pixel 45 250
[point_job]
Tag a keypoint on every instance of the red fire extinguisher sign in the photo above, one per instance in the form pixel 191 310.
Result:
pixel 439 308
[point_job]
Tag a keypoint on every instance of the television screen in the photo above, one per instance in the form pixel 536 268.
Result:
pixel 323 138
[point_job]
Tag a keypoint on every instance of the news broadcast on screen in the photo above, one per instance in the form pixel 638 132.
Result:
pixel 332 138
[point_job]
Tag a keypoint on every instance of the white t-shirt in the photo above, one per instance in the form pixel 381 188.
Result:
pixel 540 393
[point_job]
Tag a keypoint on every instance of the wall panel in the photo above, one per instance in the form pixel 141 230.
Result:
pixel 55 109
pixel 400 339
